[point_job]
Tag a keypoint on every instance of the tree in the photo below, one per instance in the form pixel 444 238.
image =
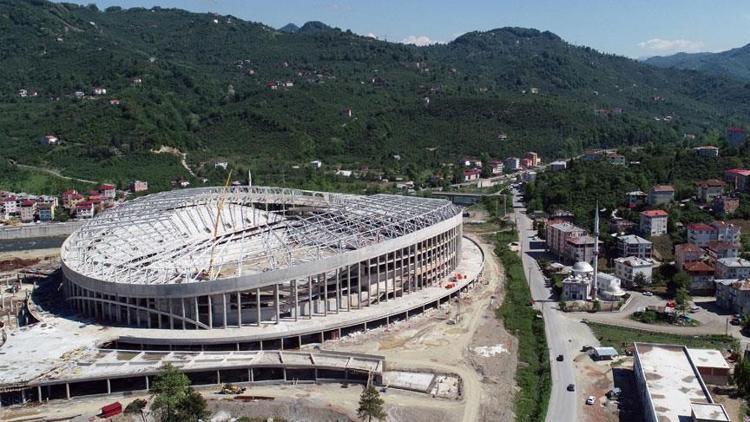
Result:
pixel 174 400
pixel 682 300
pixel 370 404
pixel 741 376
pixel 639 280
pixel 681 280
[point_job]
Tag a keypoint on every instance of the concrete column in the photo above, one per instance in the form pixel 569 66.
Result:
pixel 239 309
pixel 251 375
pixel 309 297
pixel 224 307
pixel 147 386
pixel 197 311
pixel 171 315
pixel 276 302
pixel 67 391
pixel 257 303
pixel 109 387
pixel 182 304
pixel 338 289
pixel 377 280
pixel 348 288
pixel 39 393
pixel 210 312
pixel 324 278
pixel 218 377
pixel 359 285
pixel 296 300
pixel 127 310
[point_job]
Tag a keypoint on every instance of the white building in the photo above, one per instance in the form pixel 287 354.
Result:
pixel 577 286
pixel 559 165
pixel 609 287
pixel 316 163
pixel 512 163
pixel 653 222
pixel 632 245
pixel 735 268
pixel 628 267
pixel 670 385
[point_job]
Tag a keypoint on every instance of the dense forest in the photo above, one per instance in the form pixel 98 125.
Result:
pixel 734 63
pixel 220 88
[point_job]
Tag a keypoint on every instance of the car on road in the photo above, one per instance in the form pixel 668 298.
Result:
pixel 571 387
pixel 590 400
pixel 648 294
pixel 694 309
pixel 560 358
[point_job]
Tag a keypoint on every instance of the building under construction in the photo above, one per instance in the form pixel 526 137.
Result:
pixel 209 258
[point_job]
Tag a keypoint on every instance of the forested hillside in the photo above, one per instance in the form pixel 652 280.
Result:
pixel 220 88
pixel 734 63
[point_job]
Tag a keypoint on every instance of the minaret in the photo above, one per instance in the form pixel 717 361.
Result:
pixel 595 265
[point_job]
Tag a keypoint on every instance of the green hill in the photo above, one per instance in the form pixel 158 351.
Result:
pixel 734 63
pixel 217 87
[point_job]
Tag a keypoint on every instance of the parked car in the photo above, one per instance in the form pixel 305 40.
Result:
pixel 571 387
pixel 590 400
pixel 694 309
pixel 614 393
pixel 560 358
pixel 648 294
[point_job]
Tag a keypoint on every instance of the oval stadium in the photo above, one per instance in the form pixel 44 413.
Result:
pixel 232 258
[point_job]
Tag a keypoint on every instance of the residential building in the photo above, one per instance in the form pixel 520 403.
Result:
pixel 687 252
pixel 593 154
pixel 636 198
pixel 615 159
pixel 736 136
pixel 717 249
pixel 712 366
pixel 737 179
pixel 316 164
pixel 701 278
pixel 653 222
pixel 471 162
pixel 84 209
pixel 626 269
pixel 700 234
pixel 472 174
pixel 558 165
pixel 512 164
pixel 526 163
pixel 49 139
pixel 27 211
pixel 10 206
pixel 46 211
pixel 496 167
pixel 348 173
pixel 707 190
pixel 108 192
pixel 725 205
pixel 609 287
pixel 660 195
pixel 632 245
pixel 100 90
pixel 736 268
pixel 621 225
pixel 670 384
pixel 557 234
pixel 727 232
pixel 707 151
pixel 528 176
pixel 533 158
pixel 733 295
pixel 138 186
pixel 579 248
pixel 70 198
pixel 222 164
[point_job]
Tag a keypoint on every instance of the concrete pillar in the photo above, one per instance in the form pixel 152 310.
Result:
pixel 67 391
pixel 39 393
pixel 218 377
pixel 359 285
pixel 109 386
pixel 324 278
pixel 239 309
pixel 257 304
pixel 309 297
pixel 276 302
pixel 348 288
pixel 224 307
pixel 148 387
pixel 338 289
pixel 197 311
pixel 210 312
pixel 182 304
pixel 250 374
pixel 171 314
pixel 296 300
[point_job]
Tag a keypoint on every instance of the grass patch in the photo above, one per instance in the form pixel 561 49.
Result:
pixel 533 371
pixel 622 338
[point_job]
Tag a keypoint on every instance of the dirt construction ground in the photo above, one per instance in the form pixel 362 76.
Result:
pixel 462 338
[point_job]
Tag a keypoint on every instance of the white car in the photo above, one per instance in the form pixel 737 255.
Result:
pixel 590 400
pixel 647 294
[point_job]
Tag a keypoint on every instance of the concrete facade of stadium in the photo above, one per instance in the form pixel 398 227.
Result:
pixel 346 282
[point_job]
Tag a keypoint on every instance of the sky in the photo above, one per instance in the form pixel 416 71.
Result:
pixel 632 28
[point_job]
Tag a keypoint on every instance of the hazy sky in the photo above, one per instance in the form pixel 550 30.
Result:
pixel 634 28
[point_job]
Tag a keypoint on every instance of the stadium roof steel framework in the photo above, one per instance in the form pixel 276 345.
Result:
pixel 168 238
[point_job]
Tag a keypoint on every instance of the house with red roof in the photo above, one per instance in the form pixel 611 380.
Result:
pixel 700 234
pixel 27 211
pixel 707 190
pixel 108 192
pixel 701 278
pixel 85 209
pixel 737 179
pixel 472 174
pixel 687 252
pixel 653 222
pixel 660 195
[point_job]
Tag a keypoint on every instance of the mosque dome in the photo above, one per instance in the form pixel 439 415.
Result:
pixel 582 267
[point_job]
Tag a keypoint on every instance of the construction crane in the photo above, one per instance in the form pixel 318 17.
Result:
pixel 219 209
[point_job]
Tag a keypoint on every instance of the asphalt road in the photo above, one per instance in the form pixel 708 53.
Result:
pixel 563 404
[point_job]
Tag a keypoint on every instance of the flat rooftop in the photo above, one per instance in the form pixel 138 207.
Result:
pixel 673 382
pixel 708 358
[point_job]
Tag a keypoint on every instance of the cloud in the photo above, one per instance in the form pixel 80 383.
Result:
pixel 420 40
pixel 659 45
